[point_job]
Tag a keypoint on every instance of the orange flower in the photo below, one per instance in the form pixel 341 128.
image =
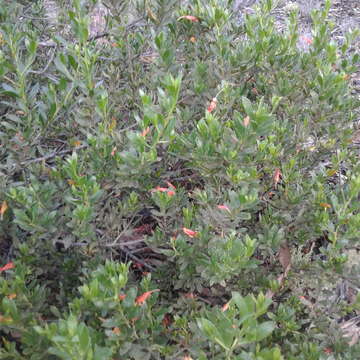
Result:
pixel 164 189
pixel 225 307
pixel 190 233
pixel 212 105
pixel 189 17
pixel 307 39
pixel 145 132
pixel 277 176
pixel 8 266
pixel 76 143
pixel 5 319
pixel 223 207
pixel 122 296
pixel 11 296
pixel 140 300
pixel 325 205
pixel 189 296
pixel 169 184
pixel 161 189
pixel 3 208
pixel 246 121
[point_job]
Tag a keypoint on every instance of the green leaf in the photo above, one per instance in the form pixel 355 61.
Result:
pixel 211 331
pixel 84 338
pixel 264 330
pixel 247 105
pixel 102 353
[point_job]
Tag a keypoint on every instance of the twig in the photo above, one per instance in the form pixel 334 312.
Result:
pixel 98 36
pixel 133 257
pixel 52 155
pixel 46 66
pixel 131 242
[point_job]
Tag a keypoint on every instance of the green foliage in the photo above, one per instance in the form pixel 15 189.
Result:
pixel 238 327
pixel 194 146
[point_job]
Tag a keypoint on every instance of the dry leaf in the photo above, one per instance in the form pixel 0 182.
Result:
pixel 285 257
pixel 151 15
pixel 351 330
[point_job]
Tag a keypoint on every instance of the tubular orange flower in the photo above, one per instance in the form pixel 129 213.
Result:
pixel 212 105
pixel 189 295
pixel 223 207
pixel 307 39
pixel 145 132
pixel 8 266
pixel 116 330
pixel 277 176
pixel 190 233
pixel 246 121
pixel 169 184
pixel 3 208
pixel 161 189
pixel 189 17
pixel 166 190
pixel 140 300
pixel 225 307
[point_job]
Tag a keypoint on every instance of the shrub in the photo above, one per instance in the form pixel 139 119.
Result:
pixel 197 148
